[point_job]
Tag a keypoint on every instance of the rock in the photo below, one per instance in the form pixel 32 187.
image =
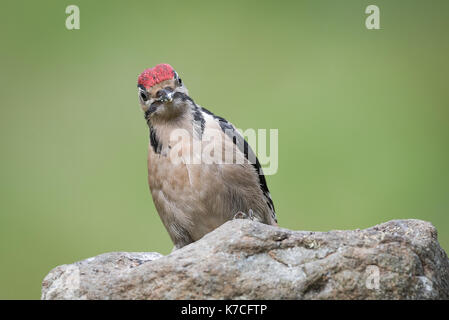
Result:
pixel 243 259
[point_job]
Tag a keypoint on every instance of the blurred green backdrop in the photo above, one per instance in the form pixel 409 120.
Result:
pixel 362 116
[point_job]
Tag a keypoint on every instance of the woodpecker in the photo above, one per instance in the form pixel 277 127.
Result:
pixel 193 196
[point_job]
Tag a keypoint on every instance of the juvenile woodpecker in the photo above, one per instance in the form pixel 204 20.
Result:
pixel 195 185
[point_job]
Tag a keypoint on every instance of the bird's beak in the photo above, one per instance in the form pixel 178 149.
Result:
pixel 165 96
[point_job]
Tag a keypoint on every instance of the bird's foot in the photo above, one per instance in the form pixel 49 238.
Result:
pixel 243 215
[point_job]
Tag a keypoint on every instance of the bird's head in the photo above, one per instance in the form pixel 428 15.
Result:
pixel 161 92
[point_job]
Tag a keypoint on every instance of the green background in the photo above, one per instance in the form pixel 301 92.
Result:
pixel 362 116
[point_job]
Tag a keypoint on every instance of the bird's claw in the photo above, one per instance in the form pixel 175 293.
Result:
pixel 243 215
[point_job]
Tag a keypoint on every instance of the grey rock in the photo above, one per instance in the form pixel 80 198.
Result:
pixel 242 259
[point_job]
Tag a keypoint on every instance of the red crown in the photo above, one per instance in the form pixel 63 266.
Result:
pixel 150 77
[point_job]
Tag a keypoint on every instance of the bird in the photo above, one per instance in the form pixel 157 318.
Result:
pixel 193 196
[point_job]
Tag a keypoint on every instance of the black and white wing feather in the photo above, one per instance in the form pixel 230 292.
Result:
pixel 249 154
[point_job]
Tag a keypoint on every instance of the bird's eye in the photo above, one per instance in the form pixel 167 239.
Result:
pixel 144 96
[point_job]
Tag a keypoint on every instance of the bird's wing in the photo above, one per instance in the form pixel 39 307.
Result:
pixel 229 129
